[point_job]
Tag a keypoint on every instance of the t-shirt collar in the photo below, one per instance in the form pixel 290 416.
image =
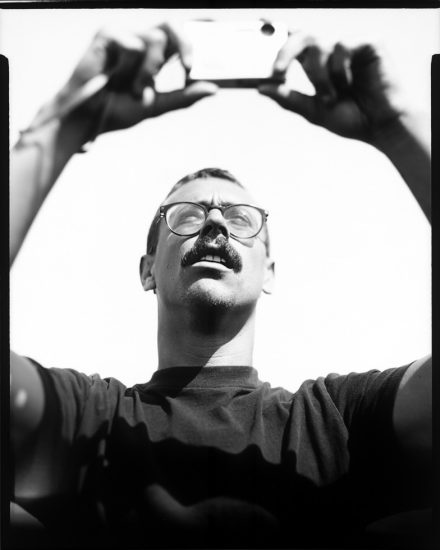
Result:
pixel 206 377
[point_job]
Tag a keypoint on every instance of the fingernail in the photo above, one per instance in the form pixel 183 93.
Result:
pixel 186 61
pixel 264 89
pixel 211 87
pixel 279 67
pixel 204 87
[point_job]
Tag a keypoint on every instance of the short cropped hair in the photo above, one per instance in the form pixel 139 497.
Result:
pixel 204 173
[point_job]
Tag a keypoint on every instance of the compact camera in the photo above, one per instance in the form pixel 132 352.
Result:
pixel 235 53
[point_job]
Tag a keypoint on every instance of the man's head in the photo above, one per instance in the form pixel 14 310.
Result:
pixel 215 259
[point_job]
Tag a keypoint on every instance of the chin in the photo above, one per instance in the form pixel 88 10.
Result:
pixel 208 295
pixel 211 307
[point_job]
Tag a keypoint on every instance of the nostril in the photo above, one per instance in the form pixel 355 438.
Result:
pixel 215 224
pixel 213 229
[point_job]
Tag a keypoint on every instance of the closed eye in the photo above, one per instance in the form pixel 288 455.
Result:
pixel 240 220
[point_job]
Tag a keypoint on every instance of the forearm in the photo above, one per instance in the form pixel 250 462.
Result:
pixel 410 158
pixel 36 162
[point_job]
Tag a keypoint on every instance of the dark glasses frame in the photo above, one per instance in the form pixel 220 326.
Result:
pixel 163 211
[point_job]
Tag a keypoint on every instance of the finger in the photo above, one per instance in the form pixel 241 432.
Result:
pixel 156 44
pixel 125 40
pixel 297 102
pixel 123 63
pixel 143 80
pixel 161 43
pixel 339 68
pixel 152 62
pixel 369 82
pixel 294 45
pixel 314 64
pixel 92 63
pixel 119 45
pixel 366 68
pixel 104 56
pixel 178 43
pixel 157 103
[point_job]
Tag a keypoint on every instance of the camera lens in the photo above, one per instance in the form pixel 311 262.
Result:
pixel 267 29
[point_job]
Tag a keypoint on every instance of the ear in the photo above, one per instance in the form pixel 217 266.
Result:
pixel 146 272
pixel 269 278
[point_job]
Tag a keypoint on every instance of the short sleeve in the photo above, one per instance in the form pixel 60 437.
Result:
pixel 378 478
pixel 68 393
pixel 365 396
pixel 78 414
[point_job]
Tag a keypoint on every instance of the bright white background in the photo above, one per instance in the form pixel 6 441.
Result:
pixel 352 248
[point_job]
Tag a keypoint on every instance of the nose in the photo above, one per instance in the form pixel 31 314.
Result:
pixel 215 224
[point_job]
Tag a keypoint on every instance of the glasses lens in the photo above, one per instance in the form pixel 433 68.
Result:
pixel 243 220
pixel 185 219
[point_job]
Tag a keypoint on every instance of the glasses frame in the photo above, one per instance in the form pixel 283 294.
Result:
pixel 163 211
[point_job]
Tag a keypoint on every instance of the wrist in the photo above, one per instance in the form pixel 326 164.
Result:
pixel 50 111
pixel 391 136
pixel 54 140
pixel 37 133
pixel 76 108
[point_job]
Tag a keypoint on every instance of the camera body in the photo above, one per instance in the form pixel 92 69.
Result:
pixel 235 53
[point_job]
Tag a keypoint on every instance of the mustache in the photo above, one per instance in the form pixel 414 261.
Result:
pixel 220 246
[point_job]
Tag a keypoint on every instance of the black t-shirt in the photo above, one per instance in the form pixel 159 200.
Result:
pixel 213 457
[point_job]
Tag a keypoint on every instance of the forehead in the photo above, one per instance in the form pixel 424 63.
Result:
pixel 211 191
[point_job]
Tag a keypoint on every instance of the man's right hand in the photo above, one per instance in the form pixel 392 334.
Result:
pixel 130 63
pixel 111 88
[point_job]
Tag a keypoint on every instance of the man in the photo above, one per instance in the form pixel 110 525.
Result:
pixel 205 454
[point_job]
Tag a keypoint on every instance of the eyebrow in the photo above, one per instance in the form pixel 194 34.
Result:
pixel 209 204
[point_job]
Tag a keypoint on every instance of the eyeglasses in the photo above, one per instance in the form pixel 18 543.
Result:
pixel 187 218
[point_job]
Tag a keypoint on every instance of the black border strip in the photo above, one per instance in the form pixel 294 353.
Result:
pixel 5 459
pixel 435 177
pixel 213 4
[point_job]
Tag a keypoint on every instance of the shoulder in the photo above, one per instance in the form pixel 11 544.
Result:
pixel 77 398
pixel 347 397
pixel 76 384
pixel 369 392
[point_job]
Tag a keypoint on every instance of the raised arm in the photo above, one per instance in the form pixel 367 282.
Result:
pixel 111 88
pixel 352 101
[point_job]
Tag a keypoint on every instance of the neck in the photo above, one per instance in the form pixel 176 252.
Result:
pixel 205 338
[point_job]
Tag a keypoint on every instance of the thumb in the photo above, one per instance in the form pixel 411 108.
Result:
pixel 297 102
pixel 177 99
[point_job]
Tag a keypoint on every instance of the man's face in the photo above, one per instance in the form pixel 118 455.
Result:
pixel 185 269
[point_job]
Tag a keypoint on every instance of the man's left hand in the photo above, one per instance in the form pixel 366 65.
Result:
pixel 351 96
